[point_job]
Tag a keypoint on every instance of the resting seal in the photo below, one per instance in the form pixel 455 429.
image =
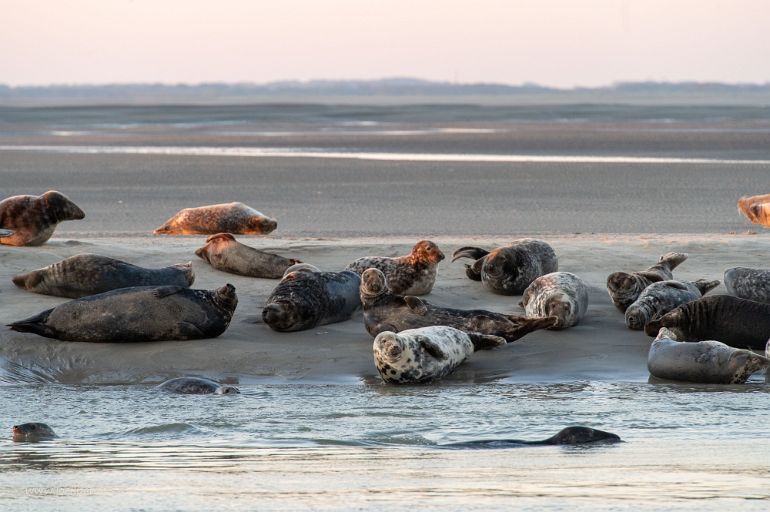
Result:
pixel 384 311
pixel 89 274
pixel 197 386
pixel 705 362
pixel 425 354
pixel 624 287
pixel 748 283
pixel 32 432
pixel 224 253
pixel 413 274
pixel 566 436
pixel 33 219
pixel 661 297
pixel 236 218
pixel 509 270
pixel 143 313
pixel 756 209
pixel 559 294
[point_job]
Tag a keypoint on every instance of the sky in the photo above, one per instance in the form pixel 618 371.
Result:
pixel 561 43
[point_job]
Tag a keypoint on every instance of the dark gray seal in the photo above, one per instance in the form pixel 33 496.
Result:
pixel 32 433
pixel 509 270
pixel 385 311
pixel 566 436
pixel 236 218
pixel 625 287
pixel 143 313
pixel 33 219
pixel 748 283
pixel 559 294
pixel 661 297
pixel 197 386
pixel 225 253
pixel 89 274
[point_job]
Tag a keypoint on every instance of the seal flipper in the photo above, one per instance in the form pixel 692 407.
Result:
pixel 431 348
pixel 416 304
pixel 190 331
pixel 677 285
pixel 166 291
pixel 35 325
pixel 706 286
pixel 473 253
pixel 485 341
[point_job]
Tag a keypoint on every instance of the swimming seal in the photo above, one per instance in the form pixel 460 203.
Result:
pixel 756 209
pixel 33 219
pixel 624 287
pixel 413 274
pixel 235 218
pixel 197 386
pixel 559 294
pixel 225 253
pixel 748 283
pixel 32 433
pixel 567 436
pixel 661 297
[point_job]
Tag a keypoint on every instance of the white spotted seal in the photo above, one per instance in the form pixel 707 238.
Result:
pixel 89 274
pixel 426 354
pixel 624 287
pixel 143 313
pixel 566 436
pixel 509 270
pixel 661 297
pixel 32 433
pixel 33 219
pixel 225 253
pixel 385 311
pixel 559 294
pixel 197 386
pixel 236 218
pixel 748 283
pixel 756 209
pixel 705 362
pixel 413 274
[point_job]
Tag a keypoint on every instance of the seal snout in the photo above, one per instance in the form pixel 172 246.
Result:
pixel 268 225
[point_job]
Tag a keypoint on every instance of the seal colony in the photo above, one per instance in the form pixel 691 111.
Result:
pixel 33 219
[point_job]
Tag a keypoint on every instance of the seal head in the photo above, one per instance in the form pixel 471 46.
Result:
pixel 32 432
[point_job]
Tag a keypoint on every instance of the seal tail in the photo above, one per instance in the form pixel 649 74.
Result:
pixel 671 260
pixel 473 253
pixel 485 341
pixel 706 286
pixel 35 324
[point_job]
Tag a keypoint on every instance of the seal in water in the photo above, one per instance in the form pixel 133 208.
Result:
pixel 32 432
pixel 225 253
pixel 624 287
pixel 566 436
pixel 305 299
pixel 661 297
pixel 197 386
pixel 413 274
pixel 236 218
pixel 740 323
pixel 748 283
pixel 559 294
pixel 756 209
pixel 89 274
pixel 705 362
pixel 426 354
pixel 142 313
pixel 34 218
pixel 509 270
pixel 384 311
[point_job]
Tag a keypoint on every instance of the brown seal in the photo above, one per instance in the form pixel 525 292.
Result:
pixel 225 253
pixel 236 218
pixel 625 287
pixel 756 209
pixel 34 218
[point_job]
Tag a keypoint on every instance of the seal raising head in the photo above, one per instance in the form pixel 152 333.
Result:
pixel 236 218
pixel 32 432
pixel 33 219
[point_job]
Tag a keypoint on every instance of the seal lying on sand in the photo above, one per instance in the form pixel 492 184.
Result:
pixel 197 386
pixel 566 436
pixel 32 432
pixel 748 283
pixel 559 294
pixel 661 297
pixel 425 354
pixel 89 274
pixel 756 209
pixel 33 219
pixel 624 287
pixel 236 218
pixel 413 274
pixel 143 313
pixel 384 311
pixel 509 270
pixel 225 253
pixel 706 362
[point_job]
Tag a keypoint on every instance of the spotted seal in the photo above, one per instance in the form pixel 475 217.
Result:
pixel 236 218
pixel 197 386
pixel 385 311
pixel 756 209
pixel 142 313
pixel 624 287
pixel 225 253
pixel 748 283
pixel 661 297
pixel 33 219
pixel 426 354
pixel 32 433
pixel 567 436
pixel 89 274
pixel 559 294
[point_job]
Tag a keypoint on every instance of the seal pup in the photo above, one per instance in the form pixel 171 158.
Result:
pixel 385 311
pixel 509 270
pixel 661 297
pixel 236 218
pixel 559 294
pixel 756 209
pixel 624 287
pixel 413 274
pixel 225 253
pixel 32 433
pixel 748 283
pixel 89 274
pixel 567 436
pixel 705 362
pixel 306 298
pixel 421 355
pixel 33 219
pixel 197 386
pixel 142 313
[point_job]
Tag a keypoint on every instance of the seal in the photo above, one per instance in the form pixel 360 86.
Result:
pixel 142 313
pixel 756 209
pixel 624 287
pixel 567 436
pixel 32 433
pixel 225 253
pixel 305 299
pixel 385 311
pixel 197 386
pixel 559 294
pixel 661 297
pixel 509 270
pixel 413 274
pixel 236 218
pixel 705 362
pixel 740 323
pixel 748 283
pixel 426 354
pixel 33 219
pixel 89 274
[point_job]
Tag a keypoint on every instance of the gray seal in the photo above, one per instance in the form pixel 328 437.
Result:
pixel 385 311
pixel 32 433
pixel 225 253
pixel 426 354
pixel 748 283
pixel 89 274
pixel 143 313
pixel 559 294
pixel 625 287
pixel 236 218
pixel 197 386
pixel 567 436
pixel 661 297
pixel 509 270
pixel 33 219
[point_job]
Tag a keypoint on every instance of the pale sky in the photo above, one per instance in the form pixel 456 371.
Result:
pixel 560 43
